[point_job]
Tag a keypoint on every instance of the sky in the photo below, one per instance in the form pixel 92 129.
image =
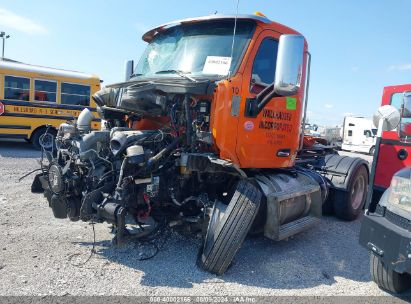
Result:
pixel 357 47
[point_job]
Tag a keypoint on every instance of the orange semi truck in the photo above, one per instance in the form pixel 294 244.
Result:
pixel 205 136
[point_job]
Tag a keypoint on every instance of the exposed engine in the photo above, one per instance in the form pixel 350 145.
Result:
pixel 151 163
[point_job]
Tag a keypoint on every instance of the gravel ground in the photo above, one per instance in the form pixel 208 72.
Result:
pixel 38 254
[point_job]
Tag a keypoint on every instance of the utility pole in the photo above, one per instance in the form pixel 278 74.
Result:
pixel 4 37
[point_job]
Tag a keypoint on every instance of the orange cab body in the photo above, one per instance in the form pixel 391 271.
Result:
pixel 255 142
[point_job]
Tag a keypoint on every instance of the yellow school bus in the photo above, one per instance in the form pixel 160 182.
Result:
pixel 34 97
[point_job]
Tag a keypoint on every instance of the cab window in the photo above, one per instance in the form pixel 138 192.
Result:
pixel 396 100
pixel 75 94
pixel 264 65
pixel 16 88
pixel 405 124
pixel 367 133
pixel 45 90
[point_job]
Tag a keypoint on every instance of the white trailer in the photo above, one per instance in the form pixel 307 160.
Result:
pixel 358 135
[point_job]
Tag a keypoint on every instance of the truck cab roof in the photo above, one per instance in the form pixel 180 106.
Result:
pixel 262 20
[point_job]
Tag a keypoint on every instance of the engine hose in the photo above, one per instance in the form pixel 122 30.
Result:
pixel 175 201
pixel 167 149
pixel 120 178
pixel 188 120
pixel 87 155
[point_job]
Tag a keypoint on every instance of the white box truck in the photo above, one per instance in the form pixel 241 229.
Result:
pixel 358 135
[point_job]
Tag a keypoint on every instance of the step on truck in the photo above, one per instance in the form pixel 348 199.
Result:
pixel 386 228
pixel 206 136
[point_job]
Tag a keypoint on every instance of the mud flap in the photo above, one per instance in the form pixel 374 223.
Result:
pixel 342 173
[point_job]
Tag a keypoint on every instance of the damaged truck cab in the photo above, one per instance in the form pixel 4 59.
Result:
pixel 205 136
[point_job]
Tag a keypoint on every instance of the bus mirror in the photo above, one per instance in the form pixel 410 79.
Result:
pixel 387 118
pixel 406 110
pixel 290 60
pixel 128 69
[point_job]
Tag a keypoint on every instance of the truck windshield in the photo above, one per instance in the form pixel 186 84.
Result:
pixel 199 49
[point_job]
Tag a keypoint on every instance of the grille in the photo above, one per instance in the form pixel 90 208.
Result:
pixel 379 210
pixel 397 220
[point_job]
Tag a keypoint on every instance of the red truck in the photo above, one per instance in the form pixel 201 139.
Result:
pixel 395 154
pixel 386 227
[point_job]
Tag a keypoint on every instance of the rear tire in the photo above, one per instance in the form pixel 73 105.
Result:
pixel 36 136
pixel 349 208
pixel 228 228
pixel 386 278
pixel 372 150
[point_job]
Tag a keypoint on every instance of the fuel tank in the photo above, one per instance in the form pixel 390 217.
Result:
pixel 294 203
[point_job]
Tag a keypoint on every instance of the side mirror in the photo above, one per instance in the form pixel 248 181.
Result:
pixel 387 118
pixel 289 70
pixel 128 69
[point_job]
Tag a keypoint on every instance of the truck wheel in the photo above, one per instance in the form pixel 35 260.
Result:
pixel 372 150
pixel 36 137
pixel 387 278
pixel 355 195
pixel 228 228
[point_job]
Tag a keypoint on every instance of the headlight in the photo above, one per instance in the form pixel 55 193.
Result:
pixel 400 191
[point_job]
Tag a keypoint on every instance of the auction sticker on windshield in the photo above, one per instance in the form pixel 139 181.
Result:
pixel 217 65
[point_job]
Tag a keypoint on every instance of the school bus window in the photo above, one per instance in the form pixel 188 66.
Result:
pixel 45 90
pixel 75 94
pixel 16 88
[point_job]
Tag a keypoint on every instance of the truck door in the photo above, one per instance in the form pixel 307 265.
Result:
pixel 395 149
pixel 271 139
pixel 368 139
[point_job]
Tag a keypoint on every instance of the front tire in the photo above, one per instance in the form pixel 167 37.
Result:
pixel 228 228
pixel 386 278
